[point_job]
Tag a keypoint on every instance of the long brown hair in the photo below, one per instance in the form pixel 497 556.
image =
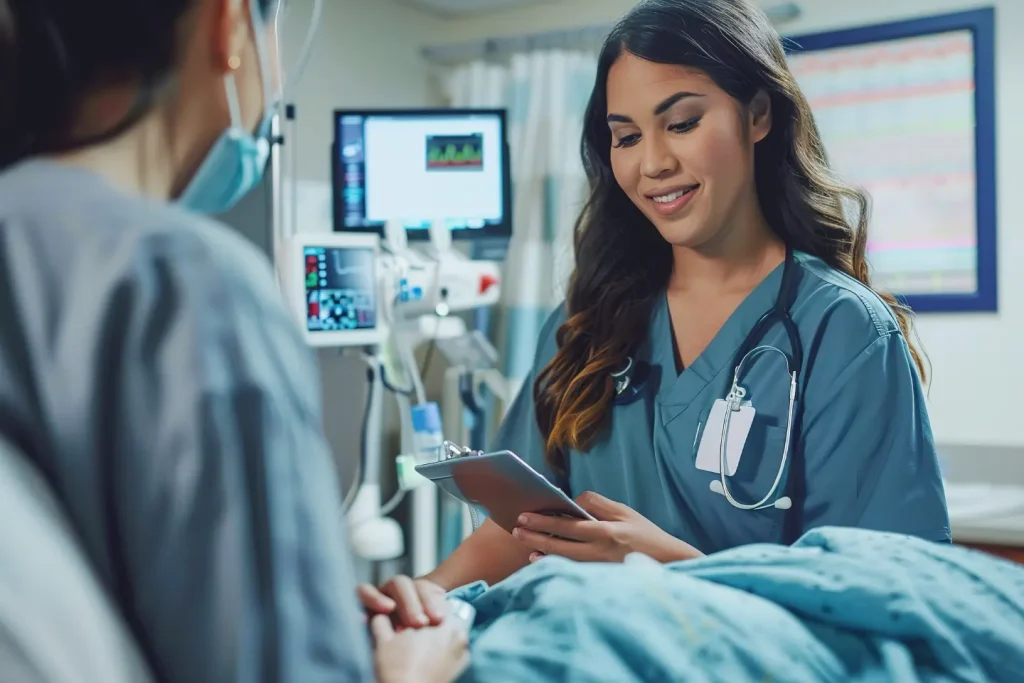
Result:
pixel 623 264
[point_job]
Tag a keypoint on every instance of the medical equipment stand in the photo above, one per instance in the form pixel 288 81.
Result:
pixel 471 379
pixel 447 281
pixel 374 536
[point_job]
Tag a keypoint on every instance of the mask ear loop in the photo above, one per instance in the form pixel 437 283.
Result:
pixel 231 85
pixel 258 32
pixel 234 108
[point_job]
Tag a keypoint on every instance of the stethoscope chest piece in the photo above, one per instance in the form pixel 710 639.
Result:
pixel 630 381
pixel 622 378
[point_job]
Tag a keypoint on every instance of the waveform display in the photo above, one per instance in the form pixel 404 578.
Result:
pixel 463 152
pixel 898 120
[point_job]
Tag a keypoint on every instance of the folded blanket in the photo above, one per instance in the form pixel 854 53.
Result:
pixel 839 605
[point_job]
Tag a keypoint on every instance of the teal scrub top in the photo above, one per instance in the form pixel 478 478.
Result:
pixel 867 455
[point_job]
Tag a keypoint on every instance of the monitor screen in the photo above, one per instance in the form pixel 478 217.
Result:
pixel 418 167
pixel 899 118
pixel 340 289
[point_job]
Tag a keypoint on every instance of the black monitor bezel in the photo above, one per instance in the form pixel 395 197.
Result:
pixel 501 230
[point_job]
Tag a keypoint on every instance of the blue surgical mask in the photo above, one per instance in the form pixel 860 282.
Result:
pixel 237 160
pixel 232 168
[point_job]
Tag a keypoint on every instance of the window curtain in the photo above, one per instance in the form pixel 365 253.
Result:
pixel 545 93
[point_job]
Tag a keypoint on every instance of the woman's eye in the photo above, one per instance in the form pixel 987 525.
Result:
pixel 685 126
pixel 627 141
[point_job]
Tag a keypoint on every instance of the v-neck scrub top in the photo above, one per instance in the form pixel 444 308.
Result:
pixel 868 457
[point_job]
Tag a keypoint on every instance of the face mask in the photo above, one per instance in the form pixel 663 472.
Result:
pixel 235 163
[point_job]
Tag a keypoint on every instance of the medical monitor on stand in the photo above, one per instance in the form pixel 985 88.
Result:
pixel 332 284
pixel 420 166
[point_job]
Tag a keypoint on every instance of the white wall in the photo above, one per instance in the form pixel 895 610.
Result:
pixel 367 54
pixel 977 366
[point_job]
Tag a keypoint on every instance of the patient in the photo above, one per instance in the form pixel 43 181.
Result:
pixel 149 371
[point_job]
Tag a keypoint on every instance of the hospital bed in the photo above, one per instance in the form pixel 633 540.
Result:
pixel 841 605
pixel 56 623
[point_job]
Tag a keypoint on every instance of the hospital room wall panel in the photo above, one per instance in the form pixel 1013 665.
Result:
pixel 974 357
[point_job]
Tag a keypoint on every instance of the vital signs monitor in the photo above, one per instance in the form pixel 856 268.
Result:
pixel 422 166
pixel 331 280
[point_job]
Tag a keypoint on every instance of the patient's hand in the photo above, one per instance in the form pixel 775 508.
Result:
pixel 619 531
pixel 409 602
pixel 435 654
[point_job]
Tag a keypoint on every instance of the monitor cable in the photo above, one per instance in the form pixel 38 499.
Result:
pixel 360 472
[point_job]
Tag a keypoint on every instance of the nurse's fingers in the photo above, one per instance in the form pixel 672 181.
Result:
pixel 549 545
pixel 374 601
pixel 566 527
pixel 434 600
pixel 604 509
pixel 403 591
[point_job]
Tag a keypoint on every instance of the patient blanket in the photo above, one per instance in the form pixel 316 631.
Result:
pixel 839 605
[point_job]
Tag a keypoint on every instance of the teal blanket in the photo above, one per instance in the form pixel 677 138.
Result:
pixel 839 605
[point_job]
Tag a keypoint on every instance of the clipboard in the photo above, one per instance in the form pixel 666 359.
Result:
pixel 503 485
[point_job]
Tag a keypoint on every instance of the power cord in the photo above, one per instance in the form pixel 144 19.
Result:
pixel 429 355
pixel 439 316
pixel 430 351
pixel 391 387
pixel 360 473
pixel 396 500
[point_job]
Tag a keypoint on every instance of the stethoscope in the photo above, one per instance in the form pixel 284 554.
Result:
pixel 629 383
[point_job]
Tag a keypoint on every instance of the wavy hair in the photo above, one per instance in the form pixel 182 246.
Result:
pixel 622 262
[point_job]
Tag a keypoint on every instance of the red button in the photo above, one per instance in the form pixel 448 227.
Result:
pixel 486 282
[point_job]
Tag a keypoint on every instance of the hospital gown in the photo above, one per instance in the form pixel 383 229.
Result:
pixel 842 605
pixel 149 370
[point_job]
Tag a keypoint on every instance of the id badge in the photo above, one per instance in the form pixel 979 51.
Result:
pixel 709 451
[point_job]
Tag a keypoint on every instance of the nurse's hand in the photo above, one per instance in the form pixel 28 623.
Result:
pixel 411 603
pixel 618 531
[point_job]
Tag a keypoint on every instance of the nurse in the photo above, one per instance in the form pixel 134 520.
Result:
pixel 712 207
pixel 148 369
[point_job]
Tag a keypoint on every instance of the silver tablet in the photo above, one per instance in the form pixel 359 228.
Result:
pixel 503 485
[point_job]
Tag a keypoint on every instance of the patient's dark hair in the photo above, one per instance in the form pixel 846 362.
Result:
pixel 622 262
pixel 54 52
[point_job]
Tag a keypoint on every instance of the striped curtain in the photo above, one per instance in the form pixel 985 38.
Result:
pixel 545 93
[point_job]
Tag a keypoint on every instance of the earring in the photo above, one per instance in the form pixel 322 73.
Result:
pixel 234 61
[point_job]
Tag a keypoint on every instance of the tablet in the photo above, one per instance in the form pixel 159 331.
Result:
pixel 503 485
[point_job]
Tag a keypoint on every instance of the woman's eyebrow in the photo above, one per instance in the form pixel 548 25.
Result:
pixel 662 107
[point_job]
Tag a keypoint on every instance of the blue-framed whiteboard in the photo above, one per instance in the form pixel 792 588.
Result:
pixel 907 112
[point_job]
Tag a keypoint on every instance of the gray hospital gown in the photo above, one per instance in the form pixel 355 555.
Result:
pixel 149 369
